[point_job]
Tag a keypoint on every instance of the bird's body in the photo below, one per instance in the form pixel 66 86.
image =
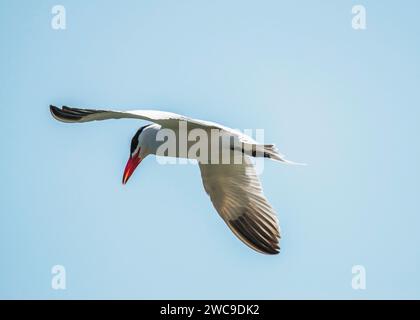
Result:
pixel 224 158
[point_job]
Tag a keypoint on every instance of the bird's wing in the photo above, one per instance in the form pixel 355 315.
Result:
pixel 166 119
pixel 163 118
pixel 237 195
pixel 67 114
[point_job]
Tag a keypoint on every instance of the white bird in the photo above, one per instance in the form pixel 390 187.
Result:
pixel 234 189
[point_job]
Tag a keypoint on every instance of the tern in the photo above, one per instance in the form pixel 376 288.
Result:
pixel 234 189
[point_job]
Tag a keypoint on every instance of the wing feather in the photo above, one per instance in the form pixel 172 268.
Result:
pixel 237 195
pixel 67 114
pixel 165 119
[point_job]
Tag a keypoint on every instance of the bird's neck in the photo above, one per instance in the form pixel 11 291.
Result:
pixel 152 138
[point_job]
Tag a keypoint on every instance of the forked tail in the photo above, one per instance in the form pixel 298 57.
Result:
pixel 271 152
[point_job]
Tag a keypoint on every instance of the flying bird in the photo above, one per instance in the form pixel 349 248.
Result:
pixel 234 189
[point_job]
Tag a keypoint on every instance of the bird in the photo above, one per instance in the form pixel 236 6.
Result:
pixel 234 188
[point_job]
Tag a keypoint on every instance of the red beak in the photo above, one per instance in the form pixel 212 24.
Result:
pixel 131 165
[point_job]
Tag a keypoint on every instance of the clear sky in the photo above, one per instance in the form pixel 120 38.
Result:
pixel 344 101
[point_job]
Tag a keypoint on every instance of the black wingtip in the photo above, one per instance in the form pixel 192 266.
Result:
pixel 255 235
pixel 65 114
pixel 69 114
pixel 53 110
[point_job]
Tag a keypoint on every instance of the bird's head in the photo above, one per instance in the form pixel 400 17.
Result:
pixel 139 149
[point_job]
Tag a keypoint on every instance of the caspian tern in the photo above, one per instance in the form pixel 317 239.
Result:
pixel 234 189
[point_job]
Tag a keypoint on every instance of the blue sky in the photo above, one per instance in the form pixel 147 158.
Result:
pixel 346 102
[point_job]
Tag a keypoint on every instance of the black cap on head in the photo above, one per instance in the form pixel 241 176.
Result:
pixel 135 140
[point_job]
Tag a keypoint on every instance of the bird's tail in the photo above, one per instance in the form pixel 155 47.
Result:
pixel 271 152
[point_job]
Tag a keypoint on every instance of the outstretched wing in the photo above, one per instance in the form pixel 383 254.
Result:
pixel 237 195
pixel 166 119
pixel 67 114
